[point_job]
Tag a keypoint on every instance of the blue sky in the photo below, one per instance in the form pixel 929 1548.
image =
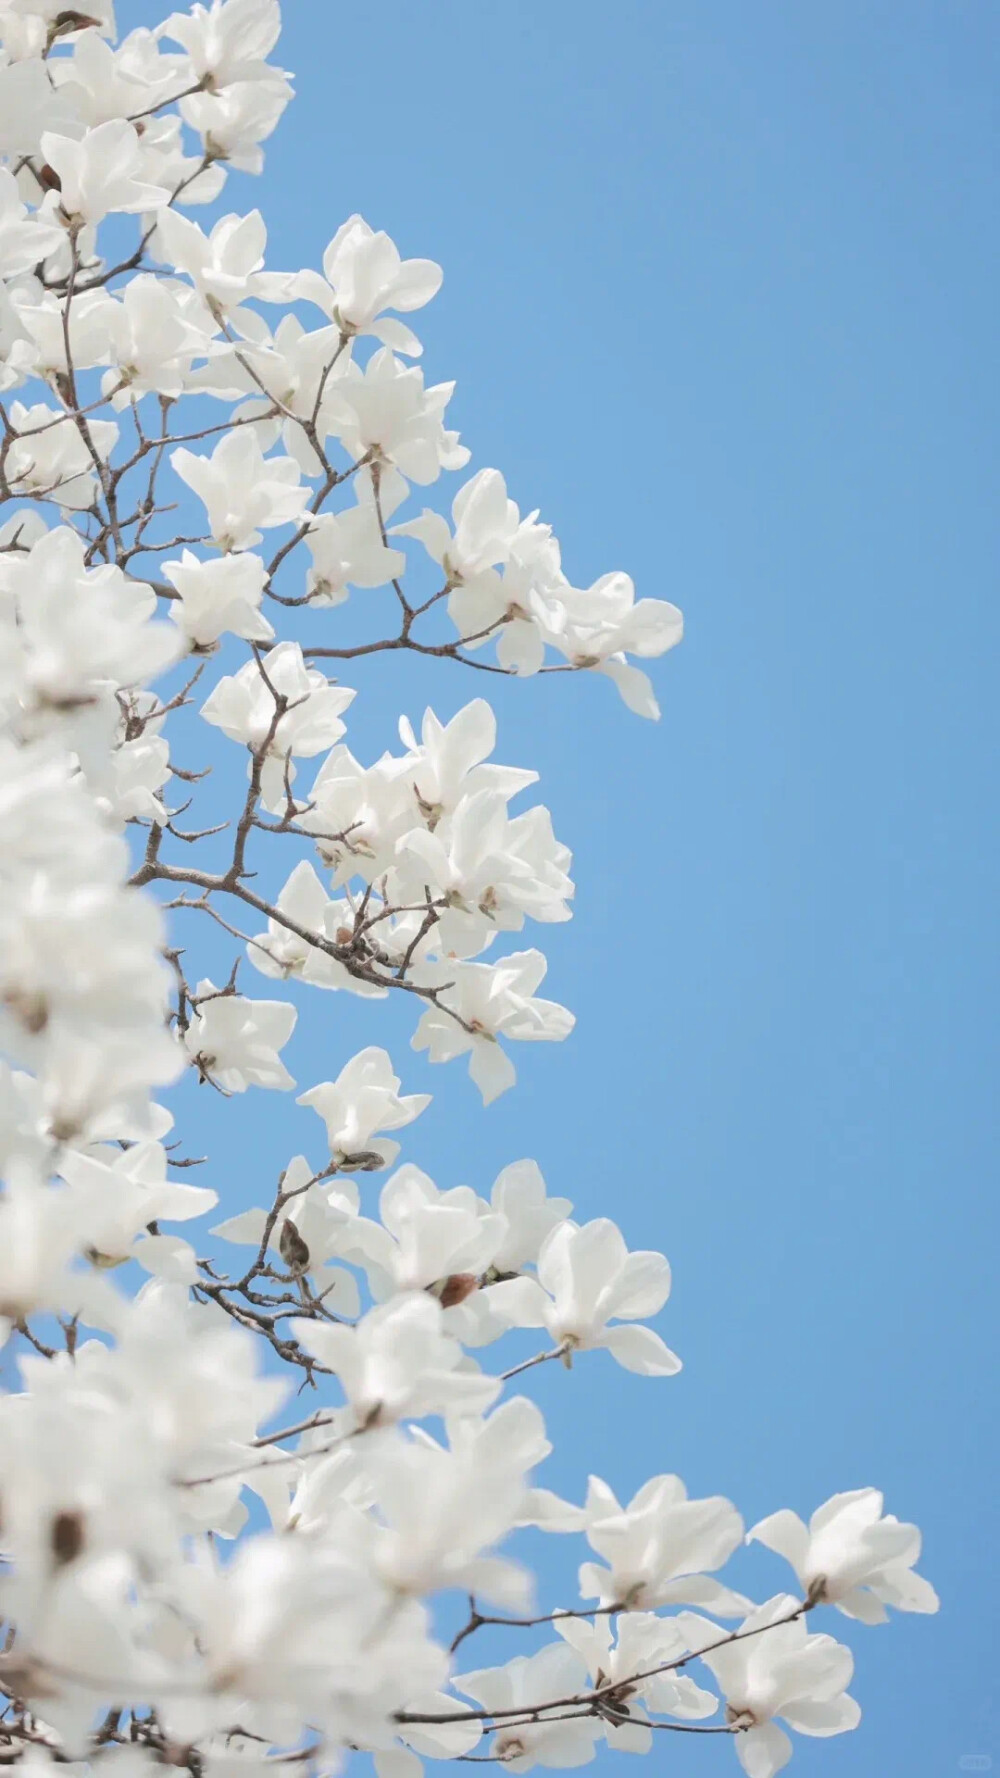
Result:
pixel 719 294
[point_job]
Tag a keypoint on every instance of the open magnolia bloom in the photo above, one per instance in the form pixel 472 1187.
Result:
pixel 518 1689
pixel 778 1670
pixel 587 1279
pixel 263 1478
pixel 629 1663
pixel 852 1556
pixel 364 1098
pixel 658 1547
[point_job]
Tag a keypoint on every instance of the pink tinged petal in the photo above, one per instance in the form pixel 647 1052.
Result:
pixel 640 1349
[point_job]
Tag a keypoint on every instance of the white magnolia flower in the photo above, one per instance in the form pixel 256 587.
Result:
pixel 235 1042
pixel 519 1194
pixel 283 951
pixel 118 1194
pixel 485 526
pixel 240 489
pixel 76 630
pixel 587 1279
pixel 658 1547
pixel 243 706
pixel 385 411
pixel 153 337
pixel 596 627
pixel 347 550
pixel 363 274
pixel 29 102
pixel 228 40
pixel 39 1240
pixel 451 759
pixel 490 870
pixel 219 596
pixel 317 1219
pixel 233 123
pixel 397 1363
pixel 224 266
pixel 26 238
pixel 49 459
pixel 491 1001
pixel 41 315
pixel 785 1672
pixel 621 1660
pixel 138 771
pixel 102 81
pixel 525 1683
pixel 425 1238
pixel 443 1509
pixel 363 1100
pixel 99 173
pixel 852 1555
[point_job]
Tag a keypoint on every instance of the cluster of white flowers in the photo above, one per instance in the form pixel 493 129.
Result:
pixel 153 1614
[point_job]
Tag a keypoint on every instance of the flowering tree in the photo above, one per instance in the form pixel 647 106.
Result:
pixel 193 448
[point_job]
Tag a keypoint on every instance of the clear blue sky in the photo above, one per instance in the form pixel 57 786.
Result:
pixel 720 293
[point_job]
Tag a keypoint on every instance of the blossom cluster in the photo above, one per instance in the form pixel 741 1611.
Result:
pixel 194 1573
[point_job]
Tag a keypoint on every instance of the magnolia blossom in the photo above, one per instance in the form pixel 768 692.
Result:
pixel 98 173
pixel 477 1005
pixel 623 1658
pixel 519 1194
pixel 121 1195
pixel 49 459
pixel 362 275
pixel 586 1279
pixel 245 706
pixel 852 1555
pixel 522 1685
pixel 241 490
pixel 219 596
pixel 784 1673
pixel 228 41
pixel 397 1363
pixel 425 1238
pixel 153 337
pixel 384 412
pixel 347 550
pixel 308 1233
pixel 364 1099
pixel 658 1546
pixel 235 1042
pixel 223 266
pixel 25 238
pixel 60 649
